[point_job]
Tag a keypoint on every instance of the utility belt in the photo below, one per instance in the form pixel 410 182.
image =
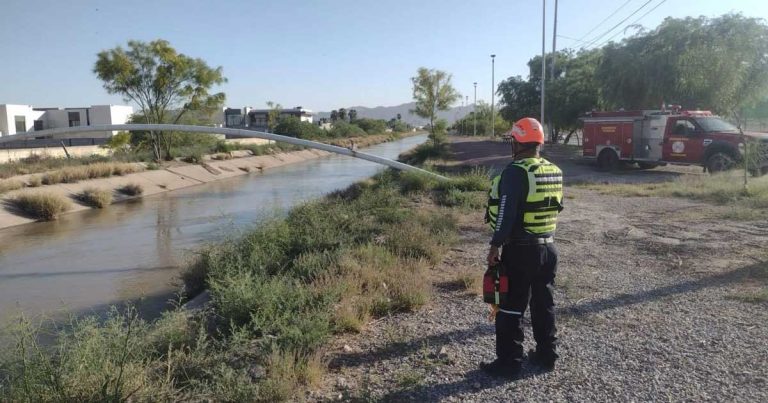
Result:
pixel 530 241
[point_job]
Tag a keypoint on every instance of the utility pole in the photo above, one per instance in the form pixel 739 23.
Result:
pixel 474 112
pixel 552 75
pixel 493 94
pixel 543 56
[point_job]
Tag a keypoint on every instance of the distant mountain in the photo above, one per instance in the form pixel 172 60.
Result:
pixel 389 112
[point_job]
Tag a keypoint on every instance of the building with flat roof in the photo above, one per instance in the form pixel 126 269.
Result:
pixel 17 119
pixel 256 119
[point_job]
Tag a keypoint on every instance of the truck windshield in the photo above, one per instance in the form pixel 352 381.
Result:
pixel 713 124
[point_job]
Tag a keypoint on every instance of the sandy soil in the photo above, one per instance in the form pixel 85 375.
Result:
pixel 649 307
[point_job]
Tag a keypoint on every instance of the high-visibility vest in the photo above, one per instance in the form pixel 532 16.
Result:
pixel 542 203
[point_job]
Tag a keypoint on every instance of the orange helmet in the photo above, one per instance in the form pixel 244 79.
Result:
pixel 528 130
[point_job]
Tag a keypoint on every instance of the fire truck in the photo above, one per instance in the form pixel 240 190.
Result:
pixel 658 137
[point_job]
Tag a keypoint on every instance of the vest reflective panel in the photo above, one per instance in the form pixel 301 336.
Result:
pixel 492 210
pixel 544 199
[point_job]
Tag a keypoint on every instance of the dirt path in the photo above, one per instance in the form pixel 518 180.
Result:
pixel 650 307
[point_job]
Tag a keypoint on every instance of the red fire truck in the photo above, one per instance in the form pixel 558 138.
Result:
pixel 657 137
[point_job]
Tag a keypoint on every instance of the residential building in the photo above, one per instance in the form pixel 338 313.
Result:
pixel 16 119
pixel 256 119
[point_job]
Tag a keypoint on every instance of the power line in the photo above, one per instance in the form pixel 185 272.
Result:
pixel 599 24
pixel 619 24
pixel 633 23
pixel 571 39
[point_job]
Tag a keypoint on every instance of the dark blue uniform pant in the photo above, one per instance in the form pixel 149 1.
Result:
pixel 531 270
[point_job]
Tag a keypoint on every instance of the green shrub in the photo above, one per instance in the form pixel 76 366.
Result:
pixel 292 126
pixel 344 129
pixel 91 362
pixel 371 126
pixel 475 180
pixel 42 206
pixel 98 198
pixel 415 181
pixel 424 152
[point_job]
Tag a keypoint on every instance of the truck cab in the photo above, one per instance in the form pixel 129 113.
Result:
pixel 656 137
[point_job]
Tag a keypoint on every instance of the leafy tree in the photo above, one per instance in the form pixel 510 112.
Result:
pixel 399 117
pixel 352 115
pixel 432 91
pixel 482 111
pixel 159 80
pixel 343 114
pixel 273 116
pixel 717 63
pixel 294 127
pixel 569 95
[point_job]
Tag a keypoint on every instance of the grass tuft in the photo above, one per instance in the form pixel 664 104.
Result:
pixel 7 185
pixel 131 189
pixel 94 197
pixel 34 181
pixel 41 206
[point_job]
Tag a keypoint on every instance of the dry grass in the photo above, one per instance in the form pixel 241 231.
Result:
pixel 93 171
pixel 94 197
pixel 721 189
pixel 42 206
pixel 34 181
pixel 6 185
pixel 131 189
pixel 469 281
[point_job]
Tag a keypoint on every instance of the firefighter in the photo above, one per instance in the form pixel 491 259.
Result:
pixel 523 208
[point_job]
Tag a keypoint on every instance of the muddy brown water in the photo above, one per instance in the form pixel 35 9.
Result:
pixel 133 252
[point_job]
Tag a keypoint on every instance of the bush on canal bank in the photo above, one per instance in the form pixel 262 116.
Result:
pixel 41 206
pixel 98 198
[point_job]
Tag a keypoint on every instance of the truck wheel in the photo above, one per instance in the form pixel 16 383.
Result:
pixel 647 165
pixel 719 162
pixel 608 160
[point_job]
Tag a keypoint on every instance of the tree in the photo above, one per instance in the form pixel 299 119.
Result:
pixel 465 126
pixel 273 116
pixel 569 95
pixel 352 115
pixel 399 116
pixel 159 80
pixel 294 127
pixel 334 116
pixel 717 64
pixel 343 114
pixel 432 91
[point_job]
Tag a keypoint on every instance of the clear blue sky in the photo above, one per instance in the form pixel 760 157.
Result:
pixel 321 55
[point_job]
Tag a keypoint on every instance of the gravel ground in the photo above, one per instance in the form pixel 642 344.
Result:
pixel 647 306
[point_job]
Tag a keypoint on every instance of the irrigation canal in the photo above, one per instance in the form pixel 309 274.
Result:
pixel 85 262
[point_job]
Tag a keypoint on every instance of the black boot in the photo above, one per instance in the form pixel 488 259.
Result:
pixel 501 369
pixel 545 361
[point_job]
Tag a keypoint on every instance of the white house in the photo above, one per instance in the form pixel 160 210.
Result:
pixel 15 119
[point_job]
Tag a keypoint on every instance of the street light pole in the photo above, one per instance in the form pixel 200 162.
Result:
pixel 493 95
pixel 474 112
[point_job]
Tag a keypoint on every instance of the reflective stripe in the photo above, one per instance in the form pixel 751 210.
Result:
pixel 501 212
pixel 510 312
